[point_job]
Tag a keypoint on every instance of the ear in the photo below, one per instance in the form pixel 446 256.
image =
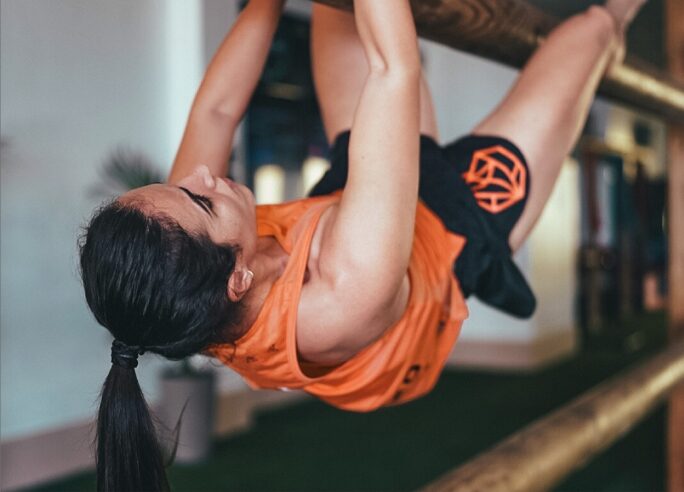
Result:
pixel 239 283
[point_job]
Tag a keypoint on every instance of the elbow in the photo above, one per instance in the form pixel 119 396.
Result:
pixel 400 79
pixel 226 112
pixel 217 111
pixel 400 61
pixel 400 69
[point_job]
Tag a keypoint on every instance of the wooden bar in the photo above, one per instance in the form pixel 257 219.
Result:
pixel 674 15
pixel 539 456
pixel 508 31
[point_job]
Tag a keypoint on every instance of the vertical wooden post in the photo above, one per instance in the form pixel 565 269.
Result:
pixel 674 15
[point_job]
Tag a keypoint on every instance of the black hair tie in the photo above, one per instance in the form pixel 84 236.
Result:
pixel 124 355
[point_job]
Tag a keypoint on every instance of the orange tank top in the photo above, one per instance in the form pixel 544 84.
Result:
pixel 403 364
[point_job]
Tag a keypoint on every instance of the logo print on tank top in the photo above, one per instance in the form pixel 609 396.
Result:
pixel 409 377
pixel 497 178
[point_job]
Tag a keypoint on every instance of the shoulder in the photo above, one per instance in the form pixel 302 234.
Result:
pixel 340 311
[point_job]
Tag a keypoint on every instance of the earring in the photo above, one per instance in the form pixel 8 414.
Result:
pixel 251 274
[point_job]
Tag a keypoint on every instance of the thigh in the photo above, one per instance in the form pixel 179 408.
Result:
pixel 546 108
pixel 339 67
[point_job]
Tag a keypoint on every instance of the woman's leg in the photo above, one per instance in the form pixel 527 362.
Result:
pixel 340 71
pixel 545 110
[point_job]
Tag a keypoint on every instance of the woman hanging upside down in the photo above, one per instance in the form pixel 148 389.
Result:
pixel 356 294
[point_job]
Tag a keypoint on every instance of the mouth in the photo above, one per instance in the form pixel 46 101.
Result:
pixel 238 188
pixel 231 184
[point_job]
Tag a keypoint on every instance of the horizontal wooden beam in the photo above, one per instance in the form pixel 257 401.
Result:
pixel 539 456
pixel 508 31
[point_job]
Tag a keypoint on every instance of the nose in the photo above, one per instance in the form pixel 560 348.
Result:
pixel 203 173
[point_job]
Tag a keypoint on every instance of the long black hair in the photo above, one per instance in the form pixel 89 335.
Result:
pixel 156 287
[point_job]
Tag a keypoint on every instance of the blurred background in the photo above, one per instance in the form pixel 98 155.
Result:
pixel 94 97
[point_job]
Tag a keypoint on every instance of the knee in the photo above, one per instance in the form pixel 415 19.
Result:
pixel 599 24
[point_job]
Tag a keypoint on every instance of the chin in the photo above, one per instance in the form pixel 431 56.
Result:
pixel 251 197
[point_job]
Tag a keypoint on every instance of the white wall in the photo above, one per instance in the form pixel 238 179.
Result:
pixel 78 79
pixel 553 246
pixel 465 88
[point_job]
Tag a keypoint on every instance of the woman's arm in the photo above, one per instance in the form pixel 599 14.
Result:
pixel 382 186
pixel 365 251
pixel 226 90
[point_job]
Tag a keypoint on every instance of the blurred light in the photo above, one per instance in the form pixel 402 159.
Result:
pixel 619 133
pixel 312 171
pixel 269 184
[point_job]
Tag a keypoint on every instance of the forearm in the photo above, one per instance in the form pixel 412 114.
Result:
pixel 236 67
pixel 387 32
pixel 373 231
pixel 366 243
pixel 388 110
pixel 384 143
pixel 226 90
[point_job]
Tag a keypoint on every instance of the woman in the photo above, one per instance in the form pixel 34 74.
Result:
pixel 349 295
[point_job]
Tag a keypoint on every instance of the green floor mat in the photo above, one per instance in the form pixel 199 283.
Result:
pixel 313 447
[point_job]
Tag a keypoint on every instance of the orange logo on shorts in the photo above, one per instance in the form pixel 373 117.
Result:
pixel 496 183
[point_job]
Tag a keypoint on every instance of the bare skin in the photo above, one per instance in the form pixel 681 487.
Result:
pixel 366 246
pixel 225 91
pixel 543 112
pixel 340 70
pixel 349 263
pixel 368 78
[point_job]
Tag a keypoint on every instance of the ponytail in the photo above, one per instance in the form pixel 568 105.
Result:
pixel 149 282
pixel 129 457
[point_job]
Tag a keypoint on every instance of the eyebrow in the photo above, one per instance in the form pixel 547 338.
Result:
pixel 202 201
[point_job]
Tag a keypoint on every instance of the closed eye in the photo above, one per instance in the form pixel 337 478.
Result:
pixel 204 202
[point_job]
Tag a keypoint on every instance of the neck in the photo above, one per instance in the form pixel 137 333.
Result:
pixel 268 265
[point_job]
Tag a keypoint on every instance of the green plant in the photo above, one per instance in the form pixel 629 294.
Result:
pixel 124 170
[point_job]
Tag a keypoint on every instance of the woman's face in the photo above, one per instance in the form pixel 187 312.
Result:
pixel 202 203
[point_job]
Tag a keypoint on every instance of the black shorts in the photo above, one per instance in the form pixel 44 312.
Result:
pixel 478 186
